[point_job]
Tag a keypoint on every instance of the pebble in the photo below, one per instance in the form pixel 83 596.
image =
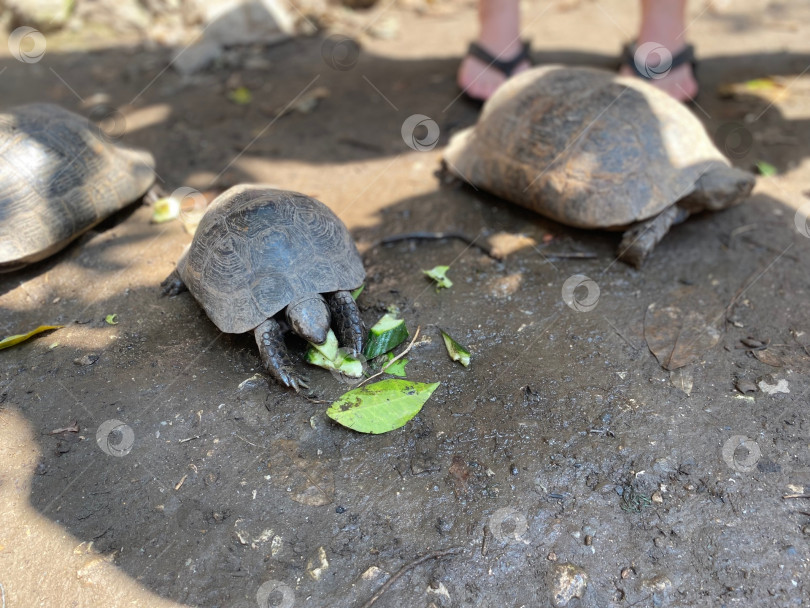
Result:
pixel 570 581
pixel 86 360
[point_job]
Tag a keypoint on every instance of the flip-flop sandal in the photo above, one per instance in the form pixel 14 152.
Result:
pixel 505 67
pixel 687 55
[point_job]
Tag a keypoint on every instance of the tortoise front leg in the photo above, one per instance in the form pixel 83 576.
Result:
pixel 346 321
pixel 275 358
pixel 639 240
pixel 172 285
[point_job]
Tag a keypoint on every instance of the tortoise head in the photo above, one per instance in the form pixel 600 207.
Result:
pixel 309 317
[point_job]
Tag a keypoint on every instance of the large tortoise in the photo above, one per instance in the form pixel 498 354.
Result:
pixel 591 149
pixel 58 178
pixel 258 251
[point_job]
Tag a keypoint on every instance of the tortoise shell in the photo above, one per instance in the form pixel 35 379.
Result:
pixel 584 147
pixel 257 249
pixel 58 178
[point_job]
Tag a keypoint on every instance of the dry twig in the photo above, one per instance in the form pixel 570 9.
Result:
pixel 405 568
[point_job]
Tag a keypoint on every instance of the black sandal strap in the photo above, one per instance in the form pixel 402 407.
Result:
pixel 687 55
pixel 505 67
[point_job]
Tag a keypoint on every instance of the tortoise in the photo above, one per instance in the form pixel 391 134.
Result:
pixel 591 149
pixel 58 178
pixel 258 251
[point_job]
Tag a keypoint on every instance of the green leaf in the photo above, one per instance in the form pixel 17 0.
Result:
pixel 111 319
pixel 766 169
pixel 397 368
pixel 382 406
pixel 241 96
pixel 356 293
pixel 760 84
pixel 165 210
pixel 456 351
pixel 439 274
pixel 16 339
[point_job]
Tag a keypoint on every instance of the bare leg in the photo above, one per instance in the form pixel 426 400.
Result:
pixel 274 355
pixel 346 321
pixel 499 34
pixel 663 22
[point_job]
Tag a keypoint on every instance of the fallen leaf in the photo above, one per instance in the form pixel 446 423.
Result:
pixel 456 351
pixel 458 474
pixel 165 210
pixel 439 274
pixel 307 481
pixel 677 338
pixel 397 368
pixel 73 428
pixel 10 341
pixel 769 357
pixel 306 102
pixel 682 379
pixel 111 319
pixel 240 96
pixel 766 169
pixel 382 406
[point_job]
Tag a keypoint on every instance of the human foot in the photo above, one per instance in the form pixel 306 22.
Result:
pixel 672 72
pixel 484 69
pixel 659 45
pixel 502 53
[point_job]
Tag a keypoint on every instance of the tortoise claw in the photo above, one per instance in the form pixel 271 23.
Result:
pixel 172 285
pixel 270 341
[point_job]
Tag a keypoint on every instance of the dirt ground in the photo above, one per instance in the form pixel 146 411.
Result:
pixel 564 453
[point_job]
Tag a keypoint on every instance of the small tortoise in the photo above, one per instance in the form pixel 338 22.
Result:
pixel 258 251
pixel 591 149
pixel 59 178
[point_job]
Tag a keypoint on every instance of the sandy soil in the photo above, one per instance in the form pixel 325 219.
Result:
pixel 565 442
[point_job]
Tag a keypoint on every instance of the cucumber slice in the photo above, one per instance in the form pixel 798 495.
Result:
pixel 328 349
pixel 345 364
pixel 388 333
pixel 456 351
